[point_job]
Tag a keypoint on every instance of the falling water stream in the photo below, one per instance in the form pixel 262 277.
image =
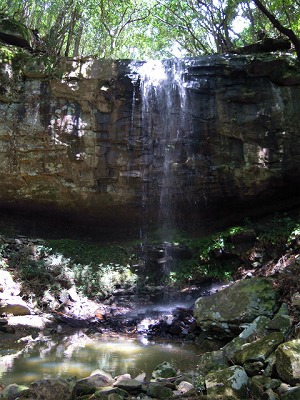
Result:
pixel 163 124
pixel 165 135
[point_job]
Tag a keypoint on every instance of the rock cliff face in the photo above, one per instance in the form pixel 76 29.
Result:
pixel 73 139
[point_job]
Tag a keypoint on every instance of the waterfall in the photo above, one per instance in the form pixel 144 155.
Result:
pixel 164 136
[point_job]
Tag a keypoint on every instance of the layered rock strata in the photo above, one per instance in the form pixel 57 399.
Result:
pixel 73 139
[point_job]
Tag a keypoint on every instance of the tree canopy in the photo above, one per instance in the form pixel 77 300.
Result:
pixel 144 29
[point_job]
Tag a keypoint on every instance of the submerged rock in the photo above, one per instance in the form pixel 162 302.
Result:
pixel 164 370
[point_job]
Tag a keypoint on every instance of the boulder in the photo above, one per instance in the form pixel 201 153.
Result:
pixel 212 361
pixel 10 301
pixel 96 380
pixel 253 331
pixel 122 378
pixel 225 313
pixel 164 370
pixel 57 388
pixel 159 391
pixel 185 387
pixel 265 382
pixel 291 394
pixel 13 391
pixel 231 383
pixel 281 323
pixel 260 349
pixel 15 306
pixel 8 287
pixel 288 361
pixel 270 365
pixel 129 385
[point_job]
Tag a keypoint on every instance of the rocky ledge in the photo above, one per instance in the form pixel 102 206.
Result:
pixel 75 140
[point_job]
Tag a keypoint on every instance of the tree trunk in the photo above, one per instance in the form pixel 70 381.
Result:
pixel 77 41
pixel 282 29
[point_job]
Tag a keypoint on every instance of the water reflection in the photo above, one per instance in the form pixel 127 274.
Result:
pixel 78 355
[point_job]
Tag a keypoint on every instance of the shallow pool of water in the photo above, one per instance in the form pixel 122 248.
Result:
pixel 78 355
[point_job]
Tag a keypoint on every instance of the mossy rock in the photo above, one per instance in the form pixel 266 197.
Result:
pixel 164 370
pixel 254 330
pixel 13 391
pixel 291 394
pixel 212 361
pixel 231 383
pixel 260 349
pixel 159 391
pixel 288 361
pixel 15 33
pixel 224 313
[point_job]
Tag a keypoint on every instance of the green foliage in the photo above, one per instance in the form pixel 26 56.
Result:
pixel 39 270
pixel 6 55
pixel 206 262
pixel 97 269
pixel 103 279
pixel 214 256
pixel 149 28
pixel 295 234
pixel 199 384
pixel 278 230
pixel 89 253
pixel 60 264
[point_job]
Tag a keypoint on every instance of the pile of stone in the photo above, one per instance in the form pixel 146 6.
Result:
pixel 261 357
pixel 164 384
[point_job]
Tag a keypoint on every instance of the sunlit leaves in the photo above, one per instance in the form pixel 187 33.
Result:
pixel 150 28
